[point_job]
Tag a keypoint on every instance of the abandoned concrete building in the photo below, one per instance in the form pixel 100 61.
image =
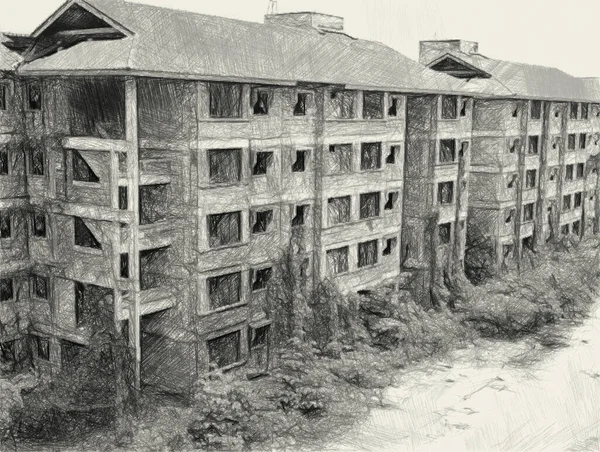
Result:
pixel 164 179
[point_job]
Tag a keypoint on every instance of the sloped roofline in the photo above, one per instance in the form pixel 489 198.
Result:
pixel 90 8
pixel 459 61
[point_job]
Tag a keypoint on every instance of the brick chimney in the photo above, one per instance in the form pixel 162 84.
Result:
pixel 324 22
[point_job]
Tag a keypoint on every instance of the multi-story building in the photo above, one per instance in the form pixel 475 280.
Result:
pixel 171 175
pixel 531 144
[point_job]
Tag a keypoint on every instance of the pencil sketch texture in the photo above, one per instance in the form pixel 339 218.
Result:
pixel 226 234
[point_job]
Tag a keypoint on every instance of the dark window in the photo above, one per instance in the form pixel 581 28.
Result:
pixel 344 104
pixel 447 151
pixel 449 107
pixel 392 199
pixel 70 353
pixel 509 216
pixel 225 165
pixel 370 156
pixel 263 162
pixel 569 172
pixel 2 96
pixel 507 250
pixel 512 180
pixel 527 243
pixel 300 107
pixel 153 203
pixel 34 96
pixel 534 141
pixel 39 225
pixel 224 351
pixel 446 192
pixel 574 110
pixel 390 245
pixel 515 112
pixel 8 352
pixel 224 229
pixel 83 235
pixel 39 287
pixel 566 202
pixel 6 289
pixel 394 106
pixel 391 157
pixel 553 173
pixel 225 100
pixel 3 161
pixel 564 229
pixel 261 220
pixel 577 200
pixel 584 111
pixel 571 141
pixel 576 227
pixel 124 265
pixel 81 170
pixel 369 205
pixel 341 155
pixel 338 210
pixel 367 253
pixel 299 165
pixel 82 311
pixel 444 232
pixel 5 227
pixel 528 212
pixel 463 108
pixel 372 105
pixel 515 145
pixel 42 344
pixel 530 178
pixel 536 109
pixel 337 260
pixel 261 102
pixel 123 198
pixel 260 278
pixel 464 148
pixel 298 219
pixel 224 290
pixel 582 140
pixel 580 170
pixel 259 337
pixel 153 265
pixel 38 161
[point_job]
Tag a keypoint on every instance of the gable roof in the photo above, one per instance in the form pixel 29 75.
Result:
pixel 179 44
pixel 8 58
pixel 527 81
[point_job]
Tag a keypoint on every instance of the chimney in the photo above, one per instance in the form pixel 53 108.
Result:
pixel 431 50
pixel 324 22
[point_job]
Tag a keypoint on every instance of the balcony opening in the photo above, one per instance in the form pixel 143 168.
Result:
pixel 261 221
pixel 154 265
pixel 262 162
pixel 224 290
pixel 224 229
pixel 82 171
pixel 225 100
pixel 96 107
pixel 224 351
pixel 154 203
pixel 337 260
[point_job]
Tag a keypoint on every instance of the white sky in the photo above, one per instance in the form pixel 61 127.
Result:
pixel 562 34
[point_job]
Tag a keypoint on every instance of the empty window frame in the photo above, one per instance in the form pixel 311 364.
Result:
pixel 553 173
pixel 339 210
pixel 446 192
pixel 42 346
pixel 464 103
pixel 569 172
pixel 337 260
pixel 564 229
pixel 577 197
pixel 372 105
pixel 582 140
pixel 301 104
pixel 3 104
pixel 571 141
pixel 260 101
pixel 515 145
pixel 444 233
pixel 38 221
pixel 124 265
pixel 5 225
pixel 530 178
pixel 566 203
pixel 512 180
pixel 260 278
pixel 392 200
pixel 392 154
pixel 224 290
pixel 369 205
pixel 224 351
pixel 341 158
pixel 261 220
pixel 83 236
pixel 394 106
pixel 299 215
pixel 370 156
pixel 509 215
pixel 153 266
pixel 299 165
pixel 225 165
pixel 528 210
pixel 585 111
pixel 576 227
pixel 343 104
pixel 580 170
pixel 70 353
pixel 258 337
pixel 82 172
pixel 225 100
pixel 123 197
pixel 367 253
pixel 573 110
pixel 449 107
pixel 534 144
pixel 37 160
pixel 262 162
pixel 154 203
pixel 224 229
pixel 447 152
pixel 4 161
pixel 389 245
pixel 6 289
pixel 33 96
pixel 39 287
pixel 82 308
pixel 507 250
pixel 536 109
